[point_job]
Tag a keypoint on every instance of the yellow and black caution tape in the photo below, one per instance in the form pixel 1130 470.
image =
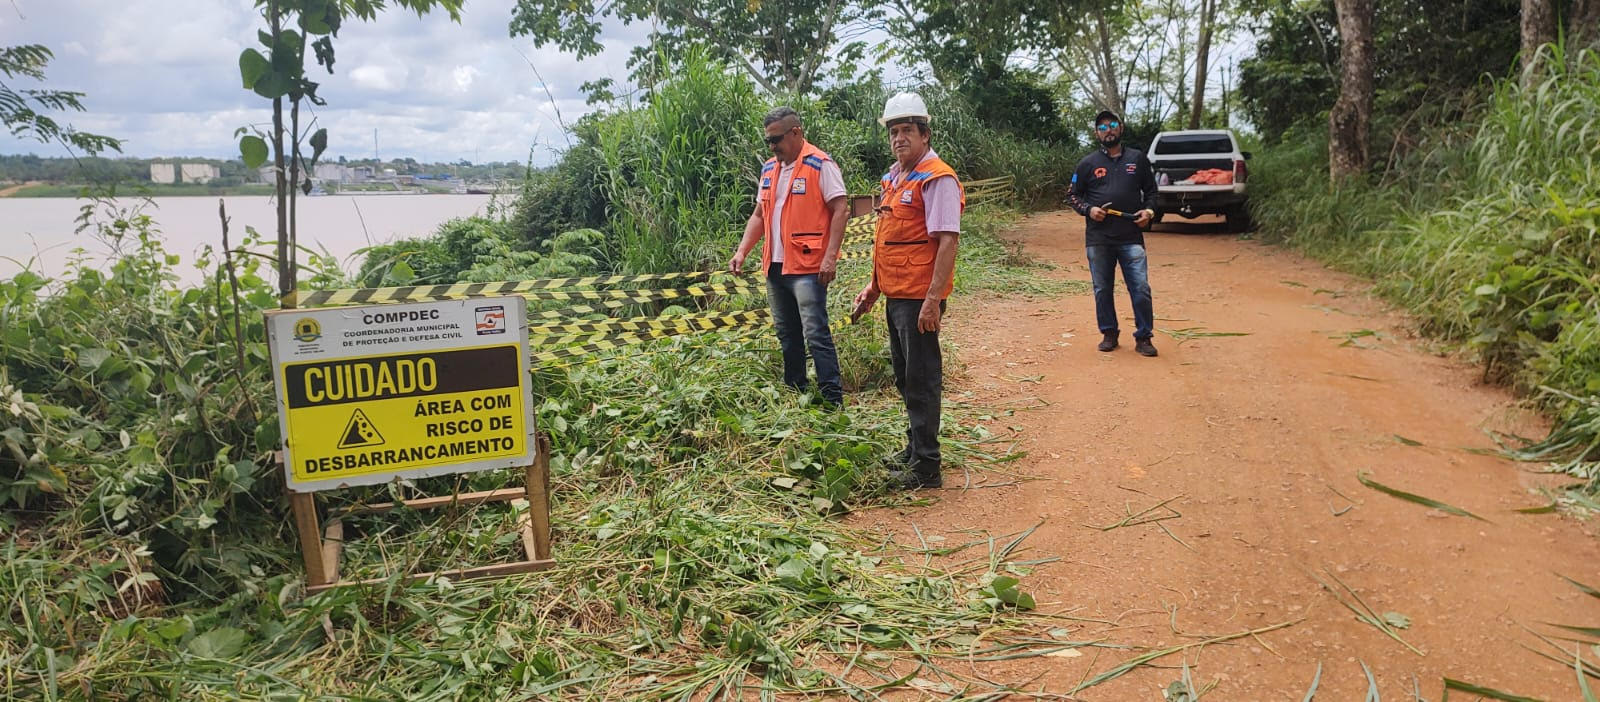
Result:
pixel 856 255
pixel 739 336
pixel 608 342
pixel 737 287
pixel 356 296
pixel 643 296
pixel 584 341
pixel 705 322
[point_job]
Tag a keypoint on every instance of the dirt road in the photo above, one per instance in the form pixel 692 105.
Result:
pixel 1257 441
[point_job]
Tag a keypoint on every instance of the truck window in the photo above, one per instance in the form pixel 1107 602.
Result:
pixel 1186 144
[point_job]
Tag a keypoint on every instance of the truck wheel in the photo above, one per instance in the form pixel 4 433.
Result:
pixel 1238 218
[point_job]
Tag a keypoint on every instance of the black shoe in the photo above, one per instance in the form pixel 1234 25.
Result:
pixel 909 479
pixel 1109 343
pixel 1144 347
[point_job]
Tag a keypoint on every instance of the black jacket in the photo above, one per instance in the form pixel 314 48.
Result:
pixel 1127 182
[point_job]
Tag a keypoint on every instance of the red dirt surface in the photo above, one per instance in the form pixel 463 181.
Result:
pixel 1259 439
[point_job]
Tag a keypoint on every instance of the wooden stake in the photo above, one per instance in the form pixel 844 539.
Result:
pixel 467 500
pixel 332 546
pixel 538 486
pixel 304 505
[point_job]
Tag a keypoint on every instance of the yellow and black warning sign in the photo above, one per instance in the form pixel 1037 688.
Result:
pixel 360 433
pixel 403 392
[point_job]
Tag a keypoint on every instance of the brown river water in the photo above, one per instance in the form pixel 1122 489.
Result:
pixel 39 233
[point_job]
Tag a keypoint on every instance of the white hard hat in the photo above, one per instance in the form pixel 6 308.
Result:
pixel 904 105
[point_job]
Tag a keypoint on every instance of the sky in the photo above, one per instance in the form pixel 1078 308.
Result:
pixel 163 76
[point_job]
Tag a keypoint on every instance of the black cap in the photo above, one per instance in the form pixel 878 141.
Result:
pixel 1106 115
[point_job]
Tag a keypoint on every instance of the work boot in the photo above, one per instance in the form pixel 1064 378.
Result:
pixel 915 479
pixel 1144 347
pixel 898 461
pixel 1109 343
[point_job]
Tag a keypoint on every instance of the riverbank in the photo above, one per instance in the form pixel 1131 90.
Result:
pixel 70 190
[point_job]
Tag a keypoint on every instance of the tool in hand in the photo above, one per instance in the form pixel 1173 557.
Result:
pixel 1120 213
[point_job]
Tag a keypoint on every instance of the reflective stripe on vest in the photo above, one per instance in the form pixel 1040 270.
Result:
pixel 805 213
pixel 903 252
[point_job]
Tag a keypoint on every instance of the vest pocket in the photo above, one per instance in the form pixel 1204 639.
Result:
pixel 917 252
pixel 807 249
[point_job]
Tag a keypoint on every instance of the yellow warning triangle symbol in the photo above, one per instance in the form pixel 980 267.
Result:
pixel 360 433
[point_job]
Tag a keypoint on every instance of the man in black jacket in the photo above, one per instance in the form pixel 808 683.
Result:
pixel 1115 190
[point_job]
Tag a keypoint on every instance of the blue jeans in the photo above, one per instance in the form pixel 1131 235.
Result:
pixel 1103 260
pixel 800 313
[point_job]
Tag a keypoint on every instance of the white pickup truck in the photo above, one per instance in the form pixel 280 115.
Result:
pixel 1201 172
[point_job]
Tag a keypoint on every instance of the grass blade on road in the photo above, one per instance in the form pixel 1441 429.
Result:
pixel 1481 691
pixel 1316 680
pixel 1585 589
pixel 1412 497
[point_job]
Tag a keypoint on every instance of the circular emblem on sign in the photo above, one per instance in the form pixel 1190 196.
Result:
pixel 306 330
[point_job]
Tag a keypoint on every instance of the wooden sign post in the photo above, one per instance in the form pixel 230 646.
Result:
pixel 375 393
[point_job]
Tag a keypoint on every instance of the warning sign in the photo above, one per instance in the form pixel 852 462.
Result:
pixel 360 433
pixel 369 394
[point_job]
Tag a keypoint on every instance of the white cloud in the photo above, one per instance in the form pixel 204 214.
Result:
pixel 463 76
pixel 163 76
pixel 383 79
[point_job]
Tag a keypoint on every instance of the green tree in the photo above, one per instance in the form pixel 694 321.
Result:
pixel 279 75
pixel 1431 57
pixel 780 44
pixel 1350 119
pixel 957 42
pixel 25 111
pixel 973 52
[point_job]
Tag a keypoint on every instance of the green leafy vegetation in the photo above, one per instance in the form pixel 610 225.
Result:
pixel 699 552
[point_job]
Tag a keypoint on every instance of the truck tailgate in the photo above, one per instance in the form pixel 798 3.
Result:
pixel 1177 169
pixel 1194 189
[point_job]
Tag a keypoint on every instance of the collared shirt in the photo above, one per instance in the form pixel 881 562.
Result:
pixel 832 187
pixel 941 198
pixel 1126 182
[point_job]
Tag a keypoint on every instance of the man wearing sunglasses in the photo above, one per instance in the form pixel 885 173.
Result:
pixel 800 210
pixel 1114 188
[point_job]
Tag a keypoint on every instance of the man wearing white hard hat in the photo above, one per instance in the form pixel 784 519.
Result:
pixel 913 265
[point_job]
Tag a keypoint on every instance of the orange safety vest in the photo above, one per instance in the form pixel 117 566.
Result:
pixel 903 252
pixel 805 214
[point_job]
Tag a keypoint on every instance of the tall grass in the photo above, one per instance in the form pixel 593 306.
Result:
pixel 671 175
pixel 677 170
pixel 1489 235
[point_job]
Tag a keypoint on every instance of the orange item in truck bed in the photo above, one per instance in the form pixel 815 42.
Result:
pixel 1212 176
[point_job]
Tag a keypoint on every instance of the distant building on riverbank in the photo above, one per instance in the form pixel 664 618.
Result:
pixel 169 173
pixel 200 173
pixel 331 173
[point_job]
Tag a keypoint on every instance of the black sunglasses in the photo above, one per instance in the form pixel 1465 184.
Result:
pixel 773 140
